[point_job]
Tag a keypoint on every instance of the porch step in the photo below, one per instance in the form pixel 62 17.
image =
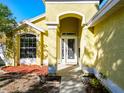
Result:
pixel 63 66
pixel 68 70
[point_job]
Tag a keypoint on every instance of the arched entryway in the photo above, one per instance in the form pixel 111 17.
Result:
pixel 70 28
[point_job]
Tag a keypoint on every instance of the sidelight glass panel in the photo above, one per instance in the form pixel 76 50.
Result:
pixel 62 48
pixel 71 48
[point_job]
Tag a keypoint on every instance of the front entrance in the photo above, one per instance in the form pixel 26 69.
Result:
pixel 69 50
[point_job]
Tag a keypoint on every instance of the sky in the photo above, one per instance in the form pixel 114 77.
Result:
pixel 24 9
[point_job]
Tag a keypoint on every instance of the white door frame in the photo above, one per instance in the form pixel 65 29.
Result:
pixel 76 52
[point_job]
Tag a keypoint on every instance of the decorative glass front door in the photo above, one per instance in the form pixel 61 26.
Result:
pixel 69 50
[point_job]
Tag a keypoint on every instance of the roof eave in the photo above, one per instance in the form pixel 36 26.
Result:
pixel 36 18
pixel 35 27
pixel 100 15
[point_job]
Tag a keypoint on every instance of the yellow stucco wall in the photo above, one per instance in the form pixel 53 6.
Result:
pixel 52 46
pixel 109 35
pixel 13 43
pixel 48 43
pixel 10 50
pixel 17 50
pixel 55 9
pixel 88 49
pixel 40 22
pixel 39 44
pixel 44 39
pixel 58 45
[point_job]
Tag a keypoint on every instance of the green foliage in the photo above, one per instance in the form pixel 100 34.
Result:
pixel 7 26
pixel 1 62
pixel 95 83
pixel 103 76
pixel 7 21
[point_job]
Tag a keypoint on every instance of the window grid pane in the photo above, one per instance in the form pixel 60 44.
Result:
pixel 28 46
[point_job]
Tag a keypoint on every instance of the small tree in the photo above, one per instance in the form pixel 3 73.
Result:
pixel 7 21
pixel 7 25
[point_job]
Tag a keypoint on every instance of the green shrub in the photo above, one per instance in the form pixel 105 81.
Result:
pixel 2 62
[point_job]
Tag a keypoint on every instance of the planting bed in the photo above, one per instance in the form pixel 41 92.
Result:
pixel 93 85
pixel 28 79
pixel 39 70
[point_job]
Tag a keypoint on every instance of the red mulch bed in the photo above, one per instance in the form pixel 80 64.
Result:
pixel 28 79
pixel 25 69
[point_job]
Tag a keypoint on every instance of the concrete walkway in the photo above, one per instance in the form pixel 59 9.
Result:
pixel 71 82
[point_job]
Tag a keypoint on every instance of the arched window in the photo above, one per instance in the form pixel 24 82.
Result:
pixel 28 46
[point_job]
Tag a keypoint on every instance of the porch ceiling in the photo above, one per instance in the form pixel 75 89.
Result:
pixel 70 24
